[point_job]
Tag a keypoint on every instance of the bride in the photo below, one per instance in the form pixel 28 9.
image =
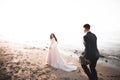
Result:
pixel 54 59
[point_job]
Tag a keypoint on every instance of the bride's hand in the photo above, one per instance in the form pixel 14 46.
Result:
pixel 49 47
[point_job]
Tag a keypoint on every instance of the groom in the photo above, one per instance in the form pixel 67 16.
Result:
pixel 91 53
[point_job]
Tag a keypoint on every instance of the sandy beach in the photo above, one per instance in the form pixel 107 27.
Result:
pixel 25 62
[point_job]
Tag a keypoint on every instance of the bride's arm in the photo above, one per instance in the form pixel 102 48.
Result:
pixel 52 40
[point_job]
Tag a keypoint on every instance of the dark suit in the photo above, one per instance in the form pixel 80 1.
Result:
pixel 92 54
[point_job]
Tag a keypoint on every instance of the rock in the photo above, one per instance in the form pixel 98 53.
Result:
pixel 3 70
pixel 44 77
pixel 76 51
pixel 47 70
pixel 16 69
pixel 53 77
pixel 65 78
pixel 28 63
pixel 101 56
pixel 44 49
pixel 78 71
pixel 28 79
pixel 18 63
pixel 5 77
pixel 106 61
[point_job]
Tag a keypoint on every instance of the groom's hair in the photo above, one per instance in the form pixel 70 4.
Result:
pixel 86 26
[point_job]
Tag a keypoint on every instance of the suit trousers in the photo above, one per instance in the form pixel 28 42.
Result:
pixel 90 70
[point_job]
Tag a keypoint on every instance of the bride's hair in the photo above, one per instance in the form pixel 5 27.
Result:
pixel 52 35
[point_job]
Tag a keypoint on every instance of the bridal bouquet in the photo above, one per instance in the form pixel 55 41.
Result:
pixel 83 60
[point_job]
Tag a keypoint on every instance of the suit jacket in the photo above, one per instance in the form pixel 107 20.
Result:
pixel 90 43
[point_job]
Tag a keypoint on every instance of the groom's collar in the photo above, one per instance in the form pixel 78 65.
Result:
pixel 87 32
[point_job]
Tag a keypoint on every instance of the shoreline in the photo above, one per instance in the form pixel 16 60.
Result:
pixel 28 62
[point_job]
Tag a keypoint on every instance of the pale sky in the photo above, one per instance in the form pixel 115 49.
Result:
pixel 36 19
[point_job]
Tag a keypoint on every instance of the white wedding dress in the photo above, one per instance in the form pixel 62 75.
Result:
pixel 55 60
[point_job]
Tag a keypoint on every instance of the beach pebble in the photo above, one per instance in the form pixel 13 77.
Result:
pixel 44 77
pixel 106 61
